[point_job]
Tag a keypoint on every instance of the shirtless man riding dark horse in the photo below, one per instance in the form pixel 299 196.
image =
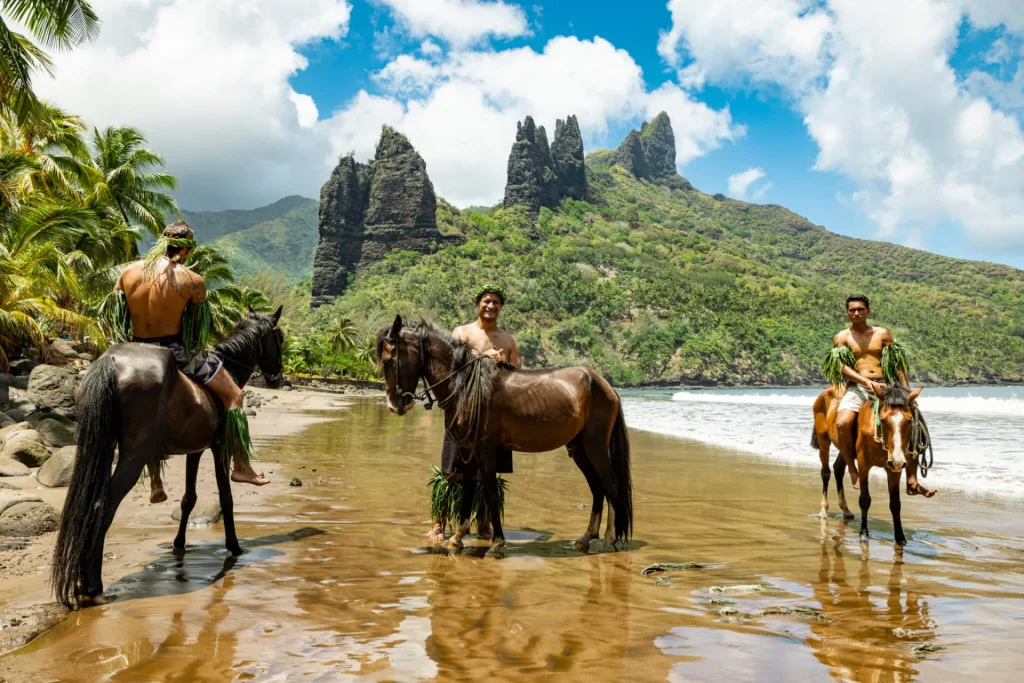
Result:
pixel 157 293
pixel 867 343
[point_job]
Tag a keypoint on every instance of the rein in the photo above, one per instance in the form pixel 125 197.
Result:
pixel 426 396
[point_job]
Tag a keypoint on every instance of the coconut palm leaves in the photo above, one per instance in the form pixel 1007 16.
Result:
pixel 835 360
pixel 57 24
pixel 122 179
pixel 894 364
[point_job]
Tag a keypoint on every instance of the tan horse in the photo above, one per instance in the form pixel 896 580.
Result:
pixel 883 443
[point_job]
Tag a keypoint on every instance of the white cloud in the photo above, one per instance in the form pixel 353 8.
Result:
pixel 873 81
pixel 768 40
pixel 207 82
pixel 459 22
pixel 740 182
pixel 461 113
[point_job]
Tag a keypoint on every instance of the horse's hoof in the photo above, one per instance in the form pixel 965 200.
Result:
pixel 582 545
pixel 848 515
pixel 236 550
pixel 495 553
pixel 609 546
pixel 823 514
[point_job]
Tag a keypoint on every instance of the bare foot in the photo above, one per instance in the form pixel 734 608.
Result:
pixel 245 474
pixel 917 489
pixel 157 495
pixel 436 535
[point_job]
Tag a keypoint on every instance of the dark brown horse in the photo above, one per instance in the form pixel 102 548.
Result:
pixel 134 398
pixel 881 442
pixel 488 406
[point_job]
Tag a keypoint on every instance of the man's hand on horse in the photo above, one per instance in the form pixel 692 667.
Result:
pixel 496 355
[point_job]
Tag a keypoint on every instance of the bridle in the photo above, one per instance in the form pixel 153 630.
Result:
pixel 269 378
pixel 426 395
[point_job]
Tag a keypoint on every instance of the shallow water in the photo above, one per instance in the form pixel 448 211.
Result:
pixel 338 582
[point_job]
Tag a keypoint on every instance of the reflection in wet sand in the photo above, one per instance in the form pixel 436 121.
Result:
pixel 338 583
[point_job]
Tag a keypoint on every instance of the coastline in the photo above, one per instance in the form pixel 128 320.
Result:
pixel 26 605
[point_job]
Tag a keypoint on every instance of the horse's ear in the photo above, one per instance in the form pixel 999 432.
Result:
pixel 396 328
pixel 277 314
pixel 914 394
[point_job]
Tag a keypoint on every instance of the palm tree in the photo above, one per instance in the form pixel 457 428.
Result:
pixel 340 336
pixel 57 24
pixel 55 140
pixel 122 181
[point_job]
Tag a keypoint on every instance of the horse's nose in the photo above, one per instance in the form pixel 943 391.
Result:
pixel 391 409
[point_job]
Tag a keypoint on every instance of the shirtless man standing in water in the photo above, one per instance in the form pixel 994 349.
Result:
pixel 486 339
pixel 866 342
pixel 157 298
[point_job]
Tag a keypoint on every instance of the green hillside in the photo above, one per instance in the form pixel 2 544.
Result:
pixel 283 244
pixel 209 225
pixel 652 283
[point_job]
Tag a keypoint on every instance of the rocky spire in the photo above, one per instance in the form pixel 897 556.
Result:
pixel 366 210
pixel 567 159
pixel 651 153
pixel 630 155
pixel 659 145
pixel 534 176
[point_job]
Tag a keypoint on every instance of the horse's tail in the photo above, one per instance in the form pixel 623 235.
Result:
pixel 99 421
pixel 618 450
pixel 814 438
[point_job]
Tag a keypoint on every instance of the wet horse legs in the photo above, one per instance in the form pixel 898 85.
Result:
pixel 895 507
pixel 227 503
pixel 597 507
pixel 490 485
pixel 839 468
pixel 462 528
pixel 126 474
pixel 188 501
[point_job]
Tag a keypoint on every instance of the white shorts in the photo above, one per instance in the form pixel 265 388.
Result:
pixel 854 398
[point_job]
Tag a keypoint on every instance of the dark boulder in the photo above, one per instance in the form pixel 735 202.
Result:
pixel 53 387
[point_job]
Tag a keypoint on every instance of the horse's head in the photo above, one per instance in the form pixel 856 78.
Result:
pixel 399 355
pixel 270 360
pixel 896 417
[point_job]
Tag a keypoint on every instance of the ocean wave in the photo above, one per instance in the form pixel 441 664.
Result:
pixel 963 405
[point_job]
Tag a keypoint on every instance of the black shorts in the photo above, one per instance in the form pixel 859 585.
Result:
pixel 202 368
pixel 452 463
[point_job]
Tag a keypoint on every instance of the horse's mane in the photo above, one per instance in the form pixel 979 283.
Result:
pixel 245 338
pixel 896 396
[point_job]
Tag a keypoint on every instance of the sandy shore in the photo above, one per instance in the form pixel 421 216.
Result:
pixel 26 605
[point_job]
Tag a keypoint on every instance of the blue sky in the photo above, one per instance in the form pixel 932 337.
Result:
pixel 876 120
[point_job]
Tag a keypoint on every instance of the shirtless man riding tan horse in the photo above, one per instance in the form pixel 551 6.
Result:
pixel 486 339
pixel 867 343
pixel 157 292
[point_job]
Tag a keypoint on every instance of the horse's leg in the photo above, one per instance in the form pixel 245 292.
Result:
pixel 839 468
pixel 126 475
pixel 597 492
pixel 468 484
pixel 895 506
pixel 156 483
pixel 188 501
pixel 826 474
pixel 596 448
pixel 490 484
pixel 227 503
pixel 609 529
pixel 865 501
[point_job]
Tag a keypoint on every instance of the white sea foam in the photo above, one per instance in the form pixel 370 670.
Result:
pixel 976 432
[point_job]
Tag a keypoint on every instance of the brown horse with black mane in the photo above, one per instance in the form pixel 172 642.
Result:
pixel 489 405
pixel 883 440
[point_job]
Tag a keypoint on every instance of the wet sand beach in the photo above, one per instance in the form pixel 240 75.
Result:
pixel 338 582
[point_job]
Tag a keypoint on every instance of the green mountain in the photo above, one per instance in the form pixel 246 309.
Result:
pixel 279 237
pixel 654 281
